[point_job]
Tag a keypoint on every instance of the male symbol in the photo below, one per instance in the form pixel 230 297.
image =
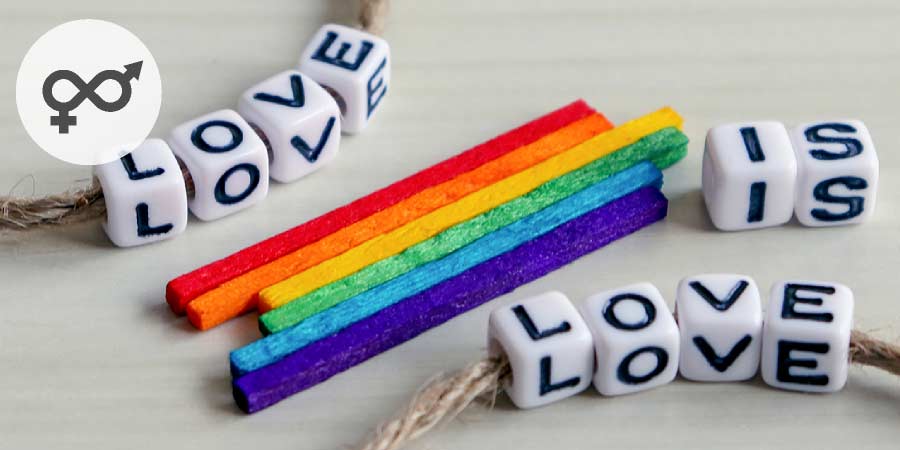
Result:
pixel 88 91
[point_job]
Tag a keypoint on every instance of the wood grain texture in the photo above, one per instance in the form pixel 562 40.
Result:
pixel 92 358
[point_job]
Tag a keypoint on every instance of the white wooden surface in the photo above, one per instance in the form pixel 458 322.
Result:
pixel 90 357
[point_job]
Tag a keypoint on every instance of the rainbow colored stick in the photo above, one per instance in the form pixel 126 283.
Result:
pixel 502 191
pixel 183 290
pixel 663 148
pixel 276 346
pixel 341 274
pixel 409 318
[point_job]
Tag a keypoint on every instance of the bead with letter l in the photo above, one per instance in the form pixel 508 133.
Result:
pixel 145 195
pixel 548 345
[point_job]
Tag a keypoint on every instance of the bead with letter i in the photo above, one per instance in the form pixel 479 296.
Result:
pixel 548 345
pixel 806 336
pixel 227 161
pixel 837 173
pixel 145 195
pixel 749 172
pixel 355 68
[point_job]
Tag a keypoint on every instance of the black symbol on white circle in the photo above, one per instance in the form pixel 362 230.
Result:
pixel 88 91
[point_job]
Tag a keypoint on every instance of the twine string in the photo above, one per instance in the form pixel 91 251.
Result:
pixel 443 398
pixel 85 203
pixel 439 401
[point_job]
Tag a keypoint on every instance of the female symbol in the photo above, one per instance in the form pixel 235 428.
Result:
pixel 88 91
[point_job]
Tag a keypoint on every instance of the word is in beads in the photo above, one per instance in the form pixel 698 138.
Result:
pixel 756 174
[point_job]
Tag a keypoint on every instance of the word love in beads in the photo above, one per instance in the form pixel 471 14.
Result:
pixel 286 127
pixel 720 335
pixel 756 174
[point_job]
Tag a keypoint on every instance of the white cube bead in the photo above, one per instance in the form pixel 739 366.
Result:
pixel 720 320
pixel 806 336
pixel 635 339
pixel 144 194
pixel 749 172
pixel 837 173
pixel 548 345
pixel 227 162
pixel 299 120
pixel 352 65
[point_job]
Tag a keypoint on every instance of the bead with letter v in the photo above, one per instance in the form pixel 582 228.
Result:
pixel 720 319
pixel 289 110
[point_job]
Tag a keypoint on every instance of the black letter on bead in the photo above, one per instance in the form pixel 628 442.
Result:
pixel 134 174
pixel 297 101
pixel 609 312
pixel 719 305
pixel 532 329
pixel 226 199
pixel 721 363
pixel 546 386
pixel 854 204
pixel 757 190
pixel 338 60
pixel 853 146
pixel 624 370
pixel 791 299
pixel 757 209
pixel 372 90
pixel 785 362
pixel 142 211
pixel 312 153
pixel 751 143
pixel 237 136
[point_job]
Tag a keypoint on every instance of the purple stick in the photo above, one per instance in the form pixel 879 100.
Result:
pixel 407 319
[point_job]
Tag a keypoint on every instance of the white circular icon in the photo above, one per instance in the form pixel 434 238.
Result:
pixel 88 92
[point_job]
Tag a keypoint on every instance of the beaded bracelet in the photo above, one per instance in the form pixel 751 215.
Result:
pixel 543 349
pixel 285 127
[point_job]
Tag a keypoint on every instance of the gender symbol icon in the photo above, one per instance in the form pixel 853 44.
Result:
pixel 88 91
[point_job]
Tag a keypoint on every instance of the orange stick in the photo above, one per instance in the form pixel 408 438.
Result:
pixel 239 294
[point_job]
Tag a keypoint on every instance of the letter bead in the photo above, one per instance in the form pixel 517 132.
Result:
pixel 635 339
pixel 144 194
pixel 300 123
pixel 227 161
pixel 354 66
pixel 548 345
pixel 720 320
pixel 806 336
pixel 749 172
pixel 837 173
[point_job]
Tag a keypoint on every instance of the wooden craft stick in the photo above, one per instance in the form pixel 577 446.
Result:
pixel 239 294
pixel 663 148
pixel 276 346
pixel 407 319
pixel 470 206
pixel 181 290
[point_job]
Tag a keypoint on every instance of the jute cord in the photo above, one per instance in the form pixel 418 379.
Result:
pixel 443 398
pixel 85 203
